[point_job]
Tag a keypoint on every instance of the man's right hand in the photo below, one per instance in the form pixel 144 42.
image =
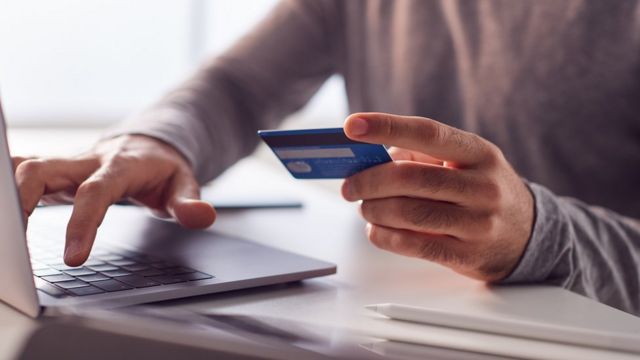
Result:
pixel 142 169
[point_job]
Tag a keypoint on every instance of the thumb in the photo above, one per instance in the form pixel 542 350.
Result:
pixel 184 203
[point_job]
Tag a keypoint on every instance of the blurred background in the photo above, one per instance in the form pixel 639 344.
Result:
pixel 68 65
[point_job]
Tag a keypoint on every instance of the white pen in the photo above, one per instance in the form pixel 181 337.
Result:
pixel 511 327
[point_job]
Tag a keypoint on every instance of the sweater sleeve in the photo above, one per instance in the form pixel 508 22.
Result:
pixel 212 118
pixel 586 249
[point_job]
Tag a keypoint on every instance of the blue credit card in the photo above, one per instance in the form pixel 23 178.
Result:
pixel 322 153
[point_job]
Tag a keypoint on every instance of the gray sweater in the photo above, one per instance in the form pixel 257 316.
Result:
pixel 555 84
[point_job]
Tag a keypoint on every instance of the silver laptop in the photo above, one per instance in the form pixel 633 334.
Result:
pixel 136 258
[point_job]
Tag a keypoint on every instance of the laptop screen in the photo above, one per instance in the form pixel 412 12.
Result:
pixel 18 288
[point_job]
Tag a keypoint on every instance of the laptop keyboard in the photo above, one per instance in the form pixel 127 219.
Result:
pixel 106 270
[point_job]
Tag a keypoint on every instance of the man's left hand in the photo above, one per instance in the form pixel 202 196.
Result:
pixel 449 196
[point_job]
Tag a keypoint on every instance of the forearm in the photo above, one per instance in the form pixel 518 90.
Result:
pixel 586 249
pixel 212 118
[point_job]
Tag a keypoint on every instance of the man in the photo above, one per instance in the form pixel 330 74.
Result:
pixel 548 88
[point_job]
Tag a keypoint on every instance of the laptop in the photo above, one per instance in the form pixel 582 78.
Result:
pixel 136 258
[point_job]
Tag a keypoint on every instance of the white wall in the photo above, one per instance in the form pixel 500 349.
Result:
pixel 91 62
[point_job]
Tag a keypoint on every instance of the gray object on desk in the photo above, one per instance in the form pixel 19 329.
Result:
pixel 512 327
pixel 245 204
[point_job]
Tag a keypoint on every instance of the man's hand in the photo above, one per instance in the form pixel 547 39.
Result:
pixel 142 169
pixel 449 196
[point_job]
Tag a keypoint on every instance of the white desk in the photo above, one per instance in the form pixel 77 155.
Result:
pixel 329 228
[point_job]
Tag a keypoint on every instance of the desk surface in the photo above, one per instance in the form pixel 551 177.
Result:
pixel 330 229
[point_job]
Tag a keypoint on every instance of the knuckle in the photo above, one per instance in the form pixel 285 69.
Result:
pixel 376 237
pixel 354 186
pixel 443 135
pixel 468 142
pixel 486 226
pixel 492 153
pixel 461 140
pixel 31 168
pixel 395 126
pixel 16 161
pixel 398 243
pixel 387 240
pixel 92 187
pixel 357 184
pixel 119 167
pixel 122 160
pixel 366 210
pixel 367 183
pixel 431 131
pixel 389 127
pixel 493 194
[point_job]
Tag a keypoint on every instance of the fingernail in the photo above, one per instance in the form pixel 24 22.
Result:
pixel 358 126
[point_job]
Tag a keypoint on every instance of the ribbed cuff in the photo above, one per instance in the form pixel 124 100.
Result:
pixel 546 243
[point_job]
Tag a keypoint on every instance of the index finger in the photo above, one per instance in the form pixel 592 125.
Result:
pixel 93 198
pixel 420 134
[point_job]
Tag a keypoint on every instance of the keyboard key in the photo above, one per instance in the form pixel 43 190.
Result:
pixel 79 272
pixel 111 285
pixel 150 272
pixel 48 259
pixel 101 268
pixel 167 279
pixel 92 278
pixel 122 262
pixel 93 262
pixel 194 276
pixel 63 267
pixel 86 290
pixel 163 265
pixel 110 257
pixel 135 267
pixel 128 253
pixel 138 281
pixel 38 266
pixel 143 258
pixel 48 288
pixel 178 270
pixel 116 273
pixel 99 252
pixel 46 272
pixel 71 284
pixel 57 278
